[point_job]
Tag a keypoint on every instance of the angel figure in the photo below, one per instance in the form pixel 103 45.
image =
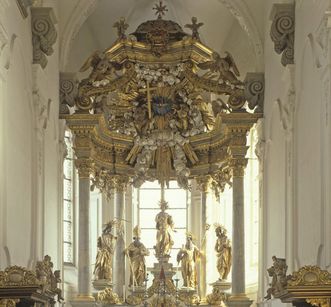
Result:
pixel 194 27
pixel 164 227
pixel 104 258
pixel 224 252
pixel 121 27
pixel 219 106
pixel 279 279
pixel 188 256
pixel 102 68
pixel 136 253
pixel 183 119
pixel 225 67
pixel 55 279
pixel 207 116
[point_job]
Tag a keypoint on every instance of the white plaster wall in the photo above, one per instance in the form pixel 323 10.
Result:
pixel 297 160
pixel 30 207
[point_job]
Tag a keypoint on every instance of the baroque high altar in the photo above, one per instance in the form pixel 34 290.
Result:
pixel 160 105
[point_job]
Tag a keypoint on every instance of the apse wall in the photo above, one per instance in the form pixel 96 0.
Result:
pixel 296 199
pixel 31 175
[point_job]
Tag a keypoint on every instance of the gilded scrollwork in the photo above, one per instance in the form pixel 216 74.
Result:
pixel 9 302
pixel 309 275
pixel 319 302
pixel 18 276
pixel 217 297
pixel 107 296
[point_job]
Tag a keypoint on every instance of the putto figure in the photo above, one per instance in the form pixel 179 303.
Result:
pixel 189 255
pixel 136 253
pixel 223 252
pixel 104 258
pixel 165 228
pixel 278 273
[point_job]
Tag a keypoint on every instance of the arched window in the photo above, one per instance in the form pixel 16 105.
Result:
pixel 68 201
pixel 146 200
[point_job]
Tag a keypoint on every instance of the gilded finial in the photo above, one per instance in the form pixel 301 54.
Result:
pixel 121 27
pixel 160 9
pixel 194 27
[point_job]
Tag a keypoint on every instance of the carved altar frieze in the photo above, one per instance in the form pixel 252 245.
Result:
pixel 254 91
pixel 282 31
pixel 68 91
pixel 44 34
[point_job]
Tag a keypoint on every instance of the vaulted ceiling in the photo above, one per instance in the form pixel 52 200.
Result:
pixel 229 25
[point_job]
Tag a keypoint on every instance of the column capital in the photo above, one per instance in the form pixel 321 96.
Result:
pixel 203 183
pixel 121 183
pixel 84 166
pixel 43 34
pixel 238 165
pixel 282 31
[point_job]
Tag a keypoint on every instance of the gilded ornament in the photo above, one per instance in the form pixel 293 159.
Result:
pixel 309 275
pixel 9 302
pixel 319 302
pixel 18 276
pixel 217 297
pixel 107 296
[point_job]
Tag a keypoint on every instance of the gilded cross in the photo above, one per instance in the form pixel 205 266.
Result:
pixel 148 90
pixel 160 9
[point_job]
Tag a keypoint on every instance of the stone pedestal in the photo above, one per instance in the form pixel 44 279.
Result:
pixel 238 300
pixel 82 303
pixel 219 296
pixel 165 282
pixel 102 284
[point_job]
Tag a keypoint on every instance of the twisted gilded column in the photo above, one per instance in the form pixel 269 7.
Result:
pixel 84 248
pixel 119 256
